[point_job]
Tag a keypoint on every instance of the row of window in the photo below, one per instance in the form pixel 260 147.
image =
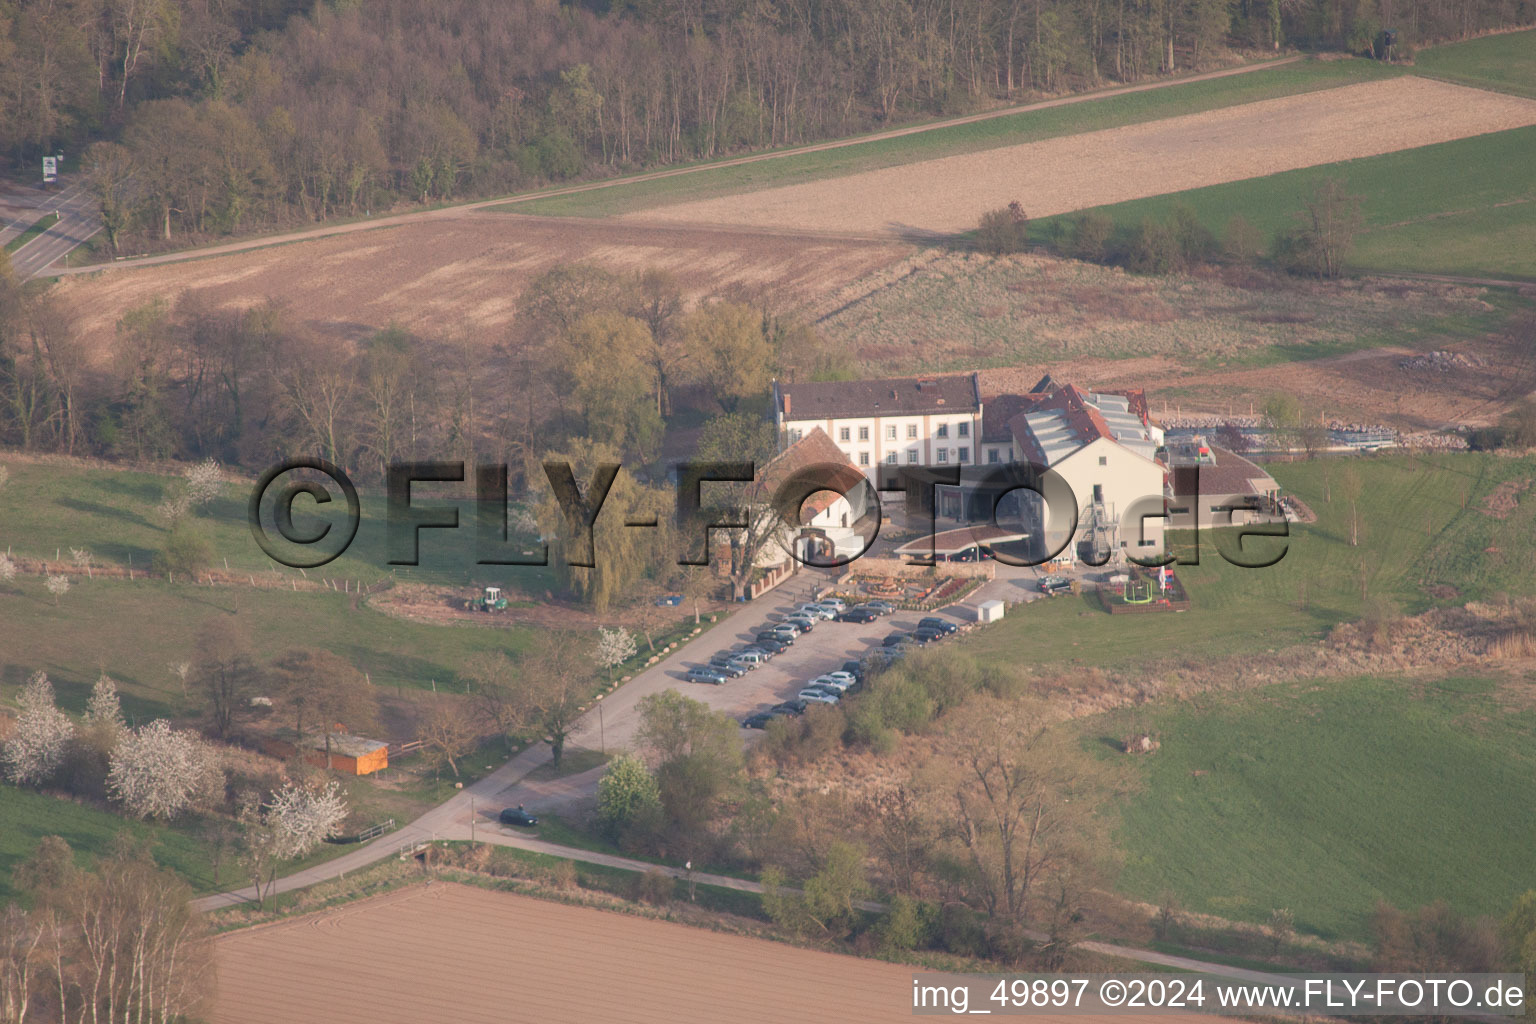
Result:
pixel 961 430
pixel 943 456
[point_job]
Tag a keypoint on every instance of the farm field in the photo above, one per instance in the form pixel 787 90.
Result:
pixel 1506 62
pixel 1048 119
pixel 461 277
pixel 1408 559
pixel 1327 797
pixel 1113 165
pixel 455 952
pixel 1466 207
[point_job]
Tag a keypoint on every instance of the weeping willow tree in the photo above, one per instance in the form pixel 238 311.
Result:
pixel 601 495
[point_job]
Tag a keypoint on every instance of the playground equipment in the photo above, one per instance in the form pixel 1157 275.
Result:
pixel 490 601
pixel 1137 591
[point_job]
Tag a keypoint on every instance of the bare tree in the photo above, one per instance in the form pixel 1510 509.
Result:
pixel 556 682
pixel 223 671
pixel 448 731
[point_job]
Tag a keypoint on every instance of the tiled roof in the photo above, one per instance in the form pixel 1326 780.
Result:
pixel 898 396
pixel 812 449
pixel 1230 473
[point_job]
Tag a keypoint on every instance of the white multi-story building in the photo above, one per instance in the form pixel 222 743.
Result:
pixel 887 424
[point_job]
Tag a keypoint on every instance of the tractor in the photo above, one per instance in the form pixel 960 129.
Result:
pixel 490 601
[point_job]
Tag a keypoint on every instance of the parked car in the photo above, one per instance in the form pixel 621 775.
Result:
pixel 729 667
pixel 835 603
pixel 926 635
pixel 771 645
pixel 817 611
pixel 858 613
pixel 942 625
pixel 788 629
pixel 705 674
pixel 755 648
pixel 758 721
pixel 844 676
pixel 894 639
pixel 816 695
pixel 1050 586
pixel 828 683
pixel 789 707
pixel 804 623
pixel 749 658
pixel 855 669
pixel 879 607
pixel 517 816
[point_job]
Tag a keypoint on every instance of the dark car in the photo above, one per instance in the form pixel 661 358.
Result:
pixel 705 674
pixel 1050 586
pixel 790 707
pixel 517 816
pixel 768 640
pixel 942 625
pixel 926 636
pixel 759 720
pixel 855 669
pixel 725 666
pixel 894 639
pixel 858 613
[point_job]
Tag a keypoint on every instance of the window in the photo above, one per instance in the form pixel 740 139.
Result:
pixel 890 458
pixel 863 433
pixel 911 456
pixel 965 430
pixel 890 432
pixel 794 435
pixel 1103 460
pixel 943 453
pixel 844 434
pixel 911 431
pixel 943 430
pixel 965 454
pixel 992 455
pixel 863 458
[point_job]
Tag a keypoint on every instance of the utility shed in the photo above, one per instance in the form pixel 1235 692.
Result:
pixel 989 611
pixel 349 754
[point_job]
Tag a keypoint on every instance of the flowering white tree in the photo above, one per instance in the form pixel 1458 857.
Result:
pixel 82 559
pixel 7 569
pixel 303 819
pixel 104 708
pixel 614 648
pixel 203 483
pixel 37 744
pixel 158 772
pixel 58 586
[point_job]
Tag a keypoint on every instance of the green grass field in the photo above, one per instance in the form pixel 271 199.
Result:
pixel 1414 534
pixel 1325 798
pixel 1506 62
pixel 48 220
pixel 1007 130
pixel 1466 207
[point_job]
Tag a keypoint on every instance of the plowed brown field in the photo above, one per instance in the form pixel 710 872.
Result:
pixel 454 953
pixel 1076 172
pixel 464 274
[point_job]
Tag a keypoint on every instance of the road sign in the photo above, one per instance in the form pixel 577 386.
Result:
pixel 50 168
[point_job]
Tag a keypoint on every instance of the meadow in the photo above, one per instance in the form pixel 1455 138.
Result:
pixel 1327 797
pixel 1422 528
pixel 1505 62
pixel 1072 118
pixel 1466 207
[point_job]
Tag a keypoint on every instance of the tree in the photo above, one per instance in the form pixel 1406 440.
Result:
pixel 1283 420
pixel 448 731
pixel 321 689
pixel 554 686
pixel 104 709
pixel 224 672
pixel 1350 488
pixel 56 584
pixel 1324 233
pixel 697 761
pixel 492 682
pixel 827 903
pixel 36 747
pixel 1432 939
pixel 159 772
pixel 606 358
pixel 728 352
pixel 614 647
pixel 1003 230
pixel 628 798
pixel 290 824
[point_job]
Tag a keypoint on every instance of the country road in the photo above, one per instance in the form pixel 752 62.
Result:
pixel 78 222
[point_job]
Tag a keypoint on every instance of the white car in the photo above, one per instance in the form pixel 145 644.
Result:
pixel 811 611
pixel 827 681
pixel 847 678
pixel 824 611
pixel 817 696
pixel 834 602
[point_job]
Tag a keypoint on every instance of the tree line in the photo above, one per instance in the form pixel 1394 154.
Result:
pixel 213 116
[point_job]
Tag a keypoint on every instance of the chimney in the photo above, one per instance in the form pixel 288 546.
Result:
pixel 786 405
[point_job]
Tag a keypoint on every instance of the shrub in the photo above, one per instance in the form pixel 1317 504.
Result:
pixel 1003 230
pixel 1090 236
pixel 1195 242
pixel 655 887
pixel 628 797
pixel 186 550
pixel 1241 242
pixel 903 927
pixel 1154 249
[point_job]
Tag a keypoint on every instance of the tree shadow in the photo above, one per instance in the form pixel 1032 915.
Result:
pixel 107 512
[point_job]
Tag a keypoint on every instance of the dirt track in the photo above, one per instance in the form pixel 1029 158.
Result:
pixel 1079 171
pixel 454 953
